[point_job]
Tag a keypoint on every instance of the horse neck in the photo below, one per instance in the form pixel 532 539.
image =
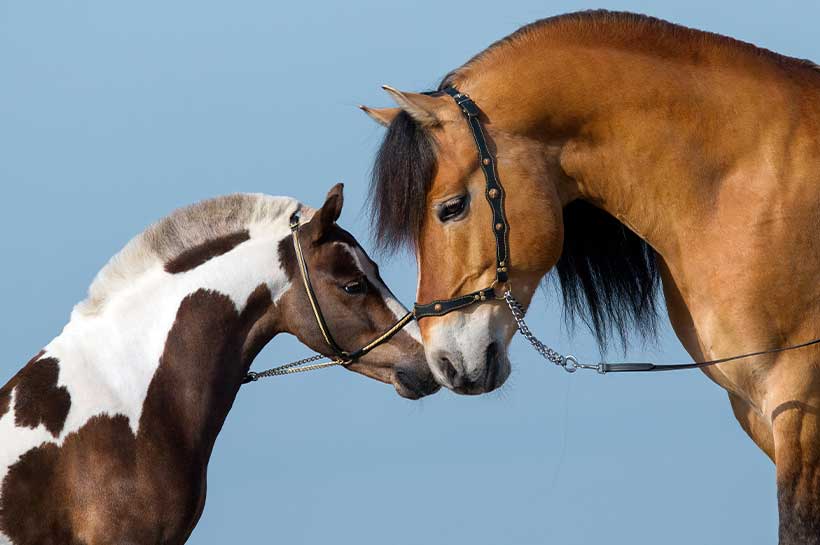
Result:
pixel 170 351
pixel 678 149
pixel 654 141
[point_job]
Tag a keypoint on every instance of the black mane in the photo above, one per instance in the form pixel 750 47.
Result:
pixel 608 275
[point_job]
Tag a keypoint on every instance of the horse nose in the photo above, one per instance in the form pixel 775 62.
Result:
pixel 484 378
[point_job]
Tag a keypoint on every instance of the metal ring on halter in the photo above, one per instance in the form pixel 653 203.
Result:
pixel 500 295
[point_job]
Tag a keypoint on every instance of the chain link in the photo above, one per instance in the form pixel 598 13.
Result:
pixel 567 363
pixel 297 366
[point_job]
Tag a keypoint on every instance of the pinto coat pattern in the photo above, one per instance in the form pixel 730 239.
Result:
pixel 106 434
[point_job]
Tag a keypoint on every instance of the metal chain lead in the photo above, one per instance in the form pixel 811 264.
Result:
pixel 297 366
pixel 570 364
pixel 567 363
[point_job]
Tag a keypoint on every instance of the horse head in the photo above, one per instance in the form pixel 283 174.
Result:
pixel 429 191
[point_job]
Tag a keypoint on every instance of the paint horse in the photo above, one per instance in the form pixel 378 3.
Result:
pixel 633 152
pixel 105 435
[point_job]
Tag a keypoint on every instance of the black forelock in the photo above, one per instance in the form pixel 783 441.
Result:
pixel 404 169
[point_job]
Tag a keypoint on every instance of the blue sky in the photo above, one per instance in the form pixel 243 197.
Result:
pixel 113 114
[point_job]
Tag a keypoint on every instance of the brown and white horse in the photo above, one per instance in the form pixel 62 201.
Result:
pixel 633 152
pixel 105 435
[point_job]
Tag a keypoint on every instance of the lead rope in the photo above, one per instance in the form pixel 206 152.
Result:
pixel 570 364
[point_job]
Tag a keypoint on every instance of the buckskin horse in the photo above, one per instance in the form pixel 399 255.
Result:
pixel 633 153
pixel 105 435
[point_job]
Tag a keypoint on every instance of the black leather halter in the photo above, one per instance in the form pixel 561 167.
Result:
pixel 341 356
pixel 494 193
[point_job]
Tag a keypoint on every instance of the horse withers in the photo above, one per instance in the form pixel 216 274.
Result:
pixel 633 153
pixel 105 435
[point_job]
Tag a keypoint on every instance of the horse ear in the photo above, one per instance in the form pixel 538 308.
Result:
pixel 382 116
pixel 332 209
pixel 421 107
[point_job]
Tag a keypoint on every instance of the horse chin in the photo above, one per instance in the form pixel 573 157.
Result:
pixel 410 386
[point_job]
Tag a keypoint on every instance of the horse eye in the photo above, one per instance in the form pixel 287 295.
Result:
pixel 452 209
pixel 356 287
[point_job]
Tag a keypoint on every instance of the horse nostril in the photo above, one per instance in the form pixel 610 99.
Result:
pixel 491 366
pixel 447 368
pixel 492 353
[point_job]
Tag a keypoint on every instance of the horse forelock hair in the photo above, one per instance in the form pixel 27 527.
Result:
pixel 183 229
pixel 403 171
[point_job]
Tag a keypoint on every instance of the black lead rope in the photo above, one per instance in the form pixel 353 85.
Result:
pixel 604 367
pixel 570 363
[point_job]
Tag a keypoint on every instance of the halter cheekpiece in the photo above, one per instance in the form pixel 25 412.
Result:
pixel 494 192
